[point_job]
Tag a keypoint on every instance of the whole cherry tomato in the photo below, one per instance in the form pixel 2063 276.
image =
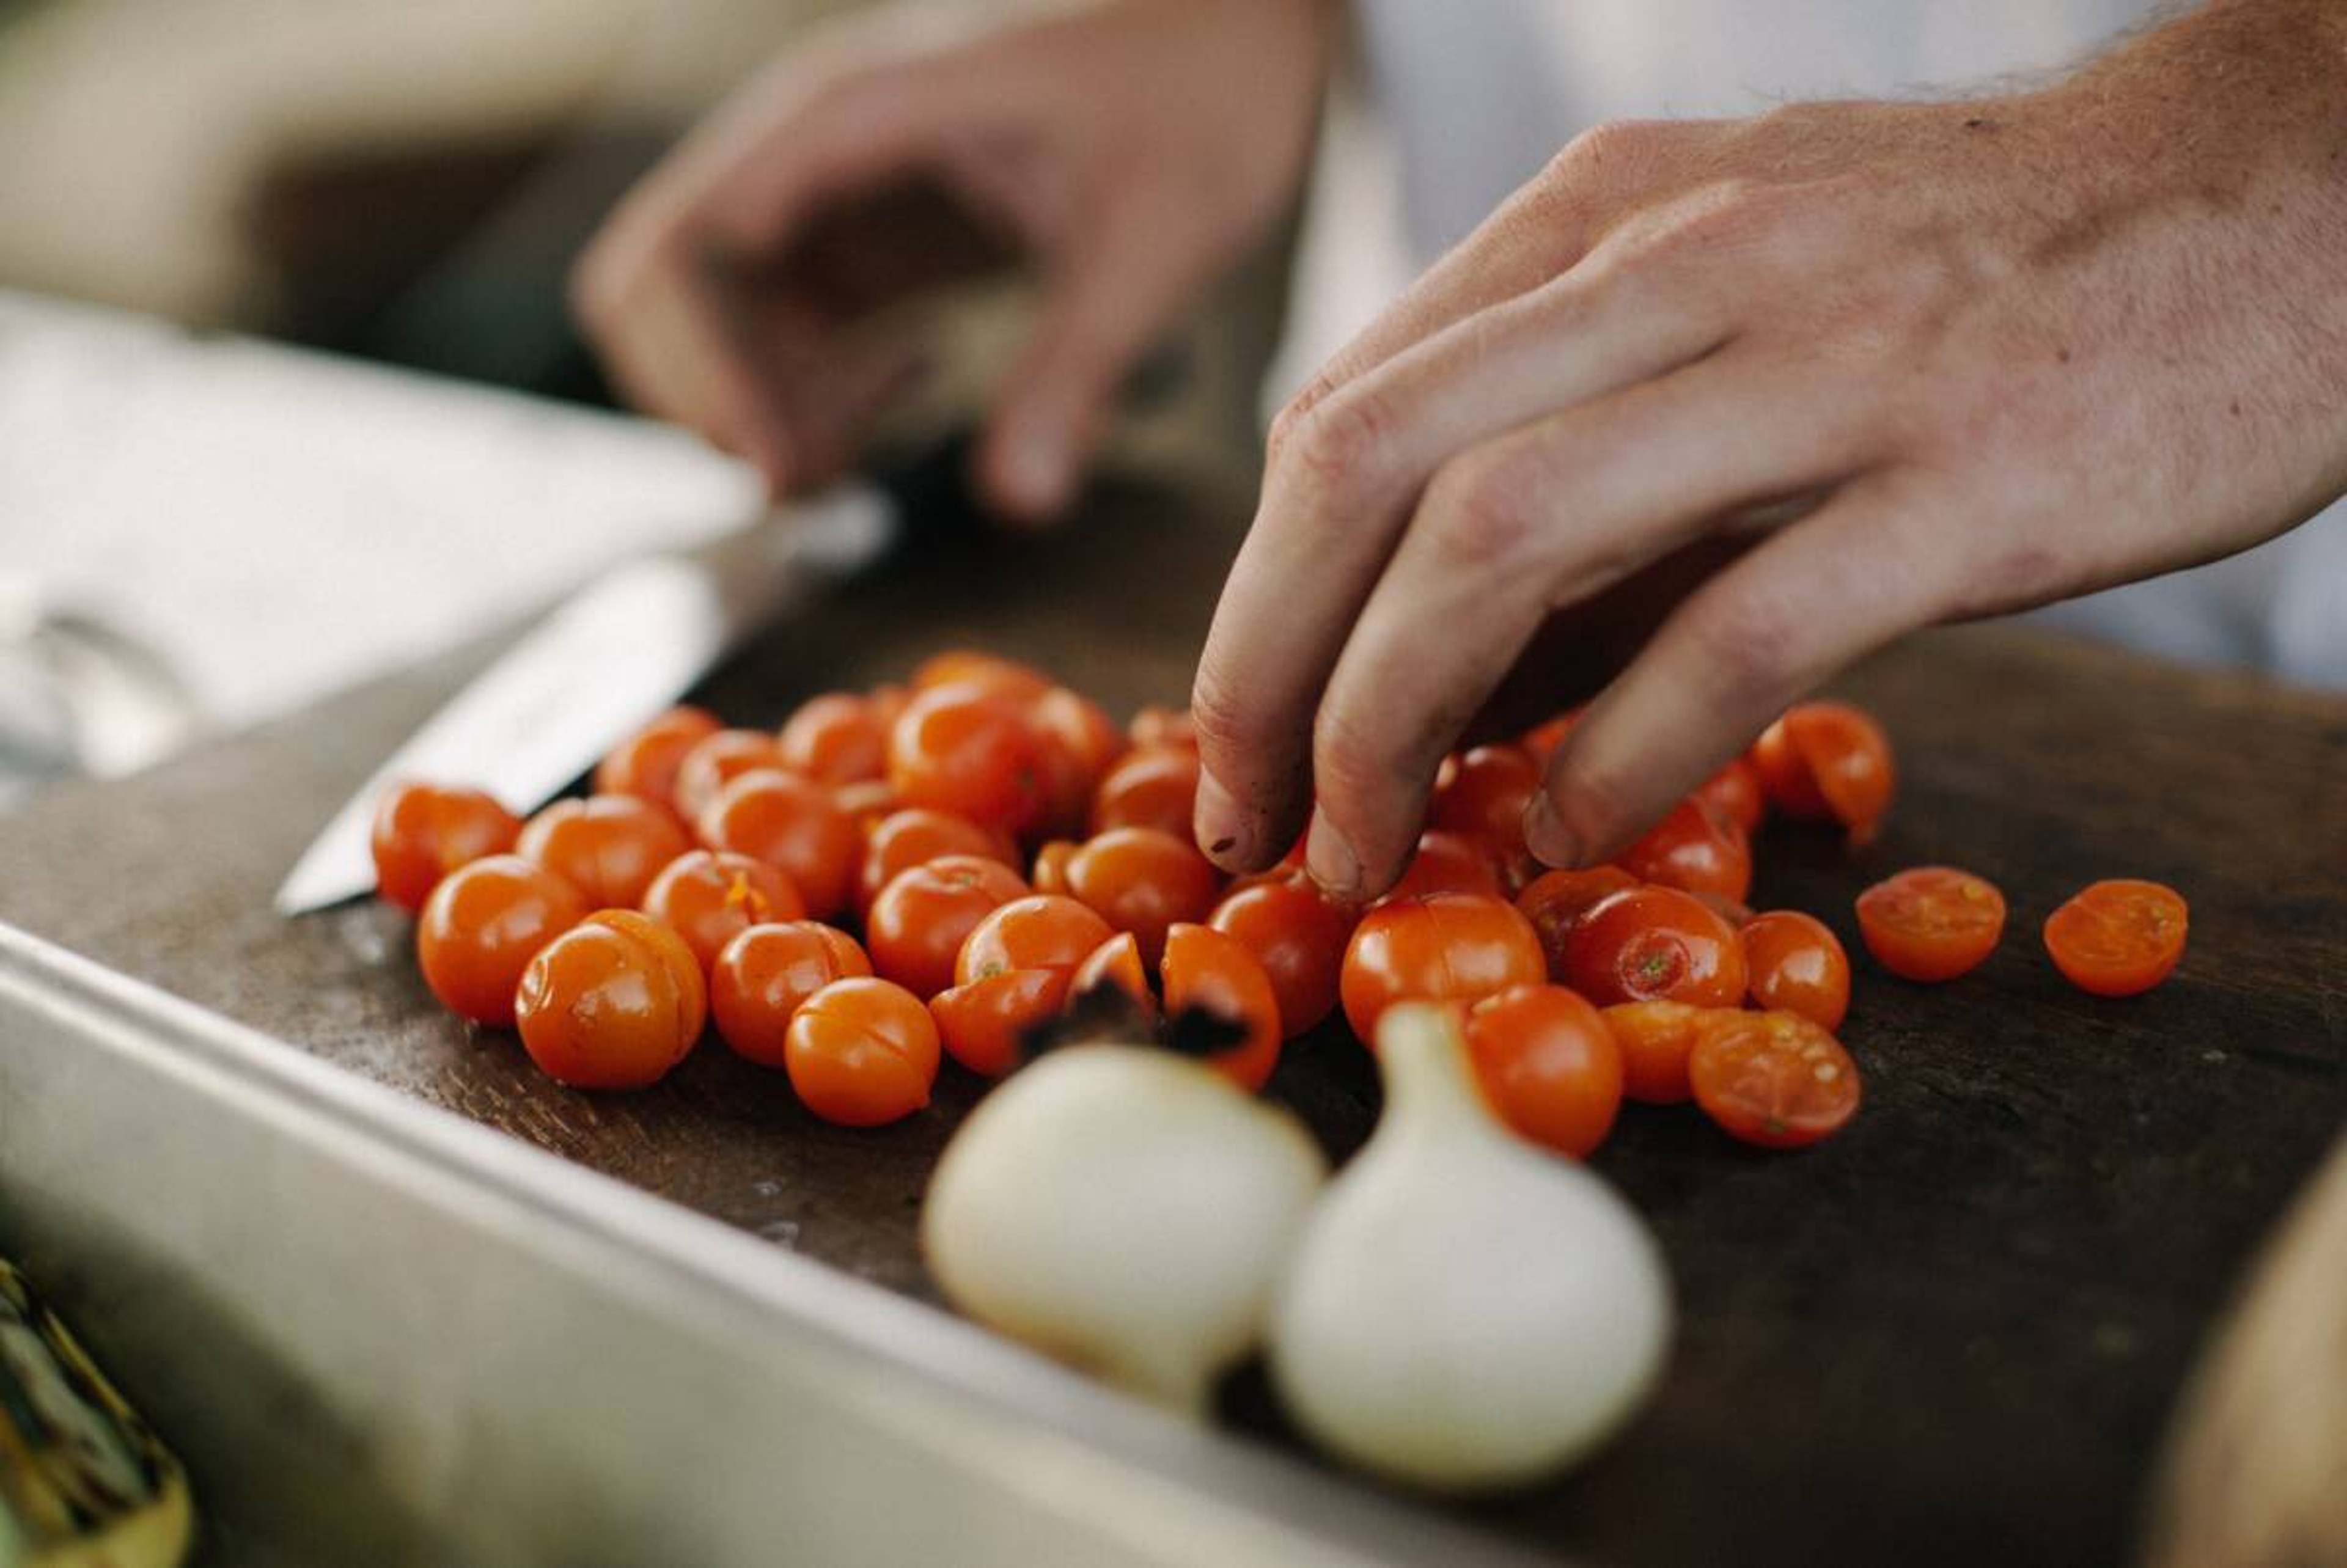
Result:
pixel 710 897
pixel 1484 800
pixel 983 1025
pixel 1077 744
pixel 1051 866
pixel 2116 938
pixel 422 832
pixel 1557 900
pixel 1827 761
pixel 482 924
pixel 609 847
pixel 868 803
pixel 1773 1079
pixel 1206 970
pixel 1447 947
pixel 837 738
pixel 715 761
pixel 1142 880
pixel 917 836
pixel 1656 1038
pixel 1696 849
pixel 612 1003
pixel 1154 726
pixel 794 825
pixel 1931 923
pixel 1648 944
pixel 1446 862
pixel 1041 931
pixel 969 749
pixel 966 667
pixel 861 1053
pixel 1298 936
pixel 1792 963
pixel 1735 792
pixel 1149 787
pixel 917 927
pixel 1540 742
pixel 645 763
pixel 1548 1066
pixel 763 974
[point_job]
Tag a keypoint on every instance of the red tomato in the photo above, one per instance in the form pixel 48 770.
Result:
pixel 795 826
pixel 1156 726
pixel 1484 800
pixel 1656 1038
pixel 482 924
pixel 1695 849
pixel 1647 944
pixel 715 761
pixel 422 832
pixel 1298 936
pixel 612 1003
pixel 1448 948
pixel 1206 970
pixel 968 749
pixel 1792 963
pixel 861 1053
pixel 1078 744
pixel 966 667
pixel 645 763
pixel 1447 863
pixel 711 897
pixel 1827 760
pixel 1931 923
pixel 609 847
pixel 917 836
pixel 1151 786
pixel 2116 938
pixel 1051 866
pixel 1548 1066
pixel 918 924
pixel 1557 900
pixel 1142 880
pixel 839 738
pixel 1773 1079
pixel 1736 793
pixel 763 974
pixel 1041 931
pixel 1540 742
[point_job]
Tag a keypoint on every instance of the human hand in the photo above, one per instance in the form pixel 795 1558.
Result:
pixel 1135 149
pixel 1873 365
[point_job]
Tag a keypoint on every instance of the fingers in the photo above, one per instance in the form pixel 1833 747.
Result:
pixel 1802 604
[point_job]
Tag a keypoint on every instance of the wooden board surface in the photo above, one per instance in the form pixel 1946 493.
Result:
pixel 1950 1336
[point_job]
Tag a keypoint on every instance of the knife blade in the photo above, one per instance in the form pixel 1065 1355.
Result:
pixel 610 658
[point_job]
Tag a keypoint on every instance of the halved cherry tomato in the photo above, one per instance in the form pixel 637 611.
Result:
pixel 967 748
pixel 1042 931
pixel 1298 936
pixel 612 1003
pixel 1117 962
pixel 861 1053
pixel 1051 866
pixel 917 927
pixel 794 825
pixel 645 763
pixel 917 836
pixel 711 897
pixel 1793 963
pixel 609 847
pixel 766 972
pixel 983 1025
pixel 482 924
pixel 1773 1079
pixel 1142 880
pixel 1735 792
pixel 1648 944
pixel 1656 1038
pixel 1077 744
pixel 1150 787
pixel 1205 969
pixel 1931 923
pixel 422 832
pixel 1485 798
pixel 1447 947
pixel 966 667
pixel 2118 938
pixel 1557 900
pixel 1548 1066
pixel 1697 849
pixel 1447 863
pixel 1154 726
pixel 837 738
pixel 715 761
pixel 1828 759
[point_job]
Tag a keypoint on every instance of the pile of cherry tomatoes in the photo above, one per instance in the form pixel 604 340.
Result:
pixel 937 869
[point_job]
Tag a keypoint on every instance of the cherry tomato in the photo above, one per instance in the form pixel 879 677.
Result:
pixel 1077 744
pixel 1656 1038
pixel 482 924
pixel 1205 969
pixel 1151 786
pixel 1298 936
pixel 1645 944
pixel 1142 880
pixel 1548 1066
pixel 1695 849
pixel 609 847
pixel 794 825
pixel 612 1003
pixel 1484 800
pixel 1447 863
pixel 963 666
pixel 1735 911
pixel 1773 1079
pixel 1931 923
pixel 2116 938
pixel 1735 792
pixel 983 1025
pixel 917 927
pixel 1156 726
pixel 1540 742
pixel 645 763
pixel 1042 931
pixel 1827 761
pixel 1792 963
pixel 862 1052
pixel 837 738
pixel 1117 962
pixel 968 749
pixel 1557 900
pixel 422 832
pixel 1051 864
pixel 917 836
pixel 711 897
pixel 1446 947
pixel 715 761
pixel 763 974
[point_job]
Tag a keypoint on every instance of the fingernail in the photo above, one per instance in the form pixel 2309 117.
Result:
pixel 1219 824
pixel 1331 860
pixel 1545 834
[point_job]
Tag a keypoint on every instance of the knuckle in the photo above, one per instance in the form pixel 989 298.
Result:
pixel 1337 445
pixel 1609 153
pixel 1482 512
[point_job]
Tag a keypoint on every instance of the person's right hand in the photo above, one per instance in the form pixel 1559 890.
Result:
pixel 1136 149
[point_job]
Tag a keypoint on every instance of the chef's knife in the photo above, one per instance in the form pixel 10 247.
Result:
pixel 615 654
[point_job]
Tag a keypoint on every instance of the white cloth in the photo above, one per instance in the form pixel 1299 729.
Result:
pixel 1478 94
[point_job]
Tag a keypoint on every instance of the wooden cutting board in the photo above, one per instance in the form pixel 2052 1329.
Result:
pixel 1950 1336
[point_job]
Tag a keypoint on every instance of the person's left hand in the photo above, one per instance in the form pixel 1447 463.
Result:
pixel 1874 366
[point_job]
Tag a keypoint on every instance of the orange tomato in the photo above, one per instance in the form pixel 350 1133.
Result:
pixel 1154 726
pixel 1548 1066
pixel 1298 936
pixel 1649 944
pixel 1207 971
pixel 1446 947
pixel 1931 923
pixel 983 1025
pixel 1078 744
pixel 967 748
pixel 422 832
pixel 861 1053
pixel 918 924
pixel 2119 937
pixel 645 764
pixel 1793 963
pixel 837 738
pixel 715 761
pixel 1656 1038
pixel 482 926
pixel 1697 849
pixel 1117 962
pixel 1051 866
pixel 1142 880
pixel 1827 760
pixel 710 897
pixel 1041 931
pixel 917 836
pixel 794 825
pixel 1150 787
pixel 609 847
pixel 1773 1079
pixel 612 1003
pixel 968 667
pixel 763 976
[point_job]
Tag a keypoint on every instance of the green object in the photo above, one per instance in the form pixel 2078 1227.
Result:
pixel 83 1482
